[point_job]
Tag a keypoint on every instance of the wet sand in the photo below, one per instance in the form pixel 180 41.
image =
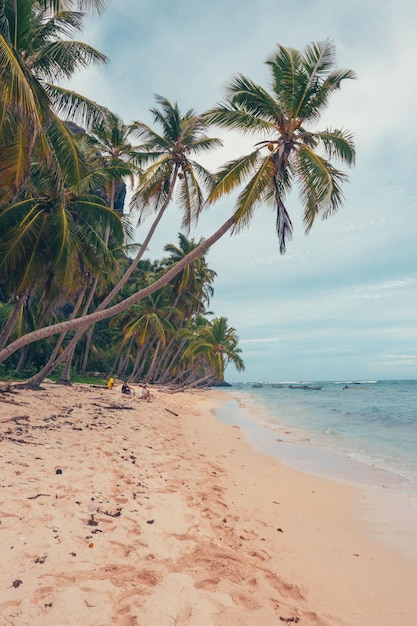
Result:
pixel 118 511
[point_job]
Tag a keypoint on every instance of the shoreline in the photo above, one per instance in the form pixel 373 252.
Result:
pixel 386 507
pixel 162 514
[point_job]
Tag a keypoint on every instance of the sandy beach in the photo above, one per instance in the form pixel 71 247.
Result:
pixel 118 511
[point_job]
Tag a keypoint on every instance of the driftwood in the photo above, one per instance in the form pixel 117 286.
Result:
pixel 172 412
pixel 12 402
pixel 14 440
pixel 38 495
pixel 16 419
pixel 115 407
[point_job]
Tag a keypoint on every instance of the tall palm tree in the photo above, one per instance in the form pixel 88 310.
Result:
pixel 111 153
pixel 168 158
pixel 193 283
pixel 287 152
pixel 303 83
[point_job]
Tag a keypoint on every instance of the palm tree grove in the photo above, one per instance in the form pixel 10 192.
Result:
pixel 78 294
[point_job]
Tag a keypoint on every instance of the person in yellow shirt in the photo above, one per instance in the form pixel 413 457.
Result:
pixel 110 383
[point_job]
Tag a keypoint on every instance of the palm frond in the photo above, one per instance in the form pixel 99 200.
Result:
pixel 204 144
pixel 319 100
pixel 20 88
pixel 90 6
pixel 338 144
pixel 227 115
pixel 232 174
pixel 285 66
pixel 249 97
pixel 253 194
pixel 190 197
pixel 72 106
pixel 61 59
pixel 71 165
pixel 320 186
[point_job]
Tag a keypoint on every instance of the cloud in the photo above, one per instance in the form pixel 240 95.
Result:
pixel 261 340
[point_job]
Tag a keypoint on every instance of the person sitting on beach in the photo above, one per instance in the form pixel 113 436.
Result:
pixel 126 389
pixel 146 393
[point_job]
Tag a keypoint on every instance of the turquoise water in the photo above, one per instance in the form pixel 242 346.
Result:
pixel 357 431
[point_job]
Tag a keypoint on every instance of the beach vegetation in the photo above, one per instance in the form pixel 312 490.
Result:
pixel 68 265
pixel 216 345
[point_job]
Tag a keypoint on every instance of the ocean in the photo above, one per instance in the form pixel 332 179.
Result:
pixel 361 432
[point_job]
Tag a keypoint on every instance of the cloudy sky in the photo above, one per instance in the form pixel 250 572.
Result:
pixel 342 303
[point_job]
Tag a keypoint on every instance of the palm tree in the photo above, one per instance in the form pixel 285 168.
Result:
pixel 110 153
pixel 51 240
pixel 191 292
pixel 193 283
pixel 303 83
pixel 168 157
pixel 149 324
pixel 217 343
pixel 287 151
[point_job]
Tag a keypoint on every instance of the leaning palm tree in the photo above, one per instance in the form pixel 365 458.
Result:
pixel 288 151
pixel 302 85
pixel 217 344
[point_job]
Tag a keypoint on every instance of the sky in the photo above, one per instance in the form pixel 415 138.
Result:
pixel 342 303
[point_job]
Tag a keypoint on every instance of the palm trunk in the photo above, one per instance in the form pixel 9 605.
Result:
pixel 53 363
pixel 65 378
pixel 141 363
pixel 153 363
pixel 173 359
pixel 22 359
pixel 36 380
pixel 87 347
pixel 99 315
pixel 125 358
pixel 209 377
pixel 163 358
pixel 136 363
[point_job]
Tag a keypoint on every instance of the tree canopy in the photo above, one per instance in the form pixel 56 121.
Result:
pixel 66 256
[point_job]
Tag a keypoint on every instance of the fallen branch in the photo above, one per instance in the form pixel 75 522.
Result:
pixel 12 402
pixel 38 495
pixel 14 419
